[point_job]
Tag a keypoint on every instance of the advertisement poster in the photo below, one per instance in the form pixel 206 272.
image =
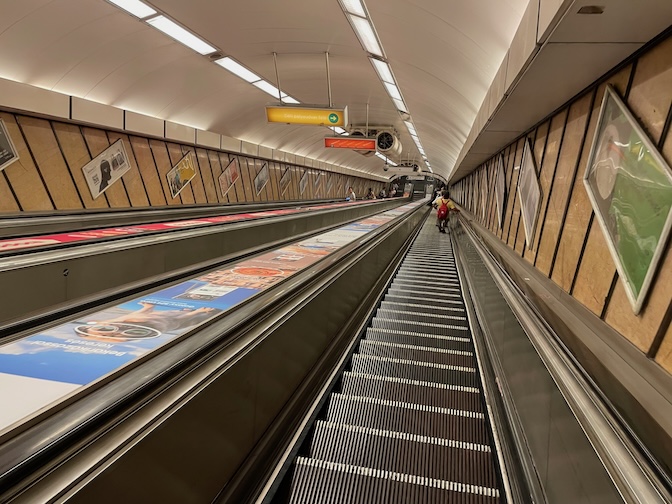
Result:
pixel 229 176
pixel 318 179
pixel 285 180
pixel 261 179
pixel 630 188
pixel 529 192
pixel 500 189
pixel 181 175
pixel 50 365
pixel 8 152
pixel 304 182
pixel 106 168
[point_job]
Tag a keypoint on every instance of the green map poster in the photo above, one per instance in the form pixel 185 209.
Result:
pixel 630 187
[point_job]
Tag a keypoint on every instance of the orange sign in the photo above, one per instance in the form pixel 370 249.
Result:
pixel 350 143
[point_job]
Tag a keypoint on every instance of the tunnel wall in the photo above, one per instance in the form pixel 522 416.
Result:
pixel 569 247
pixel 48 174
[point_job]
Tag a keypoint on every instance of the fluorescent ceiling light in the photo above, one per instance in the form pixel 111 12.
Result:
pixel 237 69
pixel 354 7
pixel 135 7
pixel 393 91
pixel 269 88
pixel 383 70
pixel 401 106
pixel 366 35
pixel 183 36
pixel 289 99
pixel 340 130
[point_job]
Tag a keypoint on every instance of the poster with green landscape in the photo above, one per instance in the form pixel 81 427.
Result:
pixel 630 188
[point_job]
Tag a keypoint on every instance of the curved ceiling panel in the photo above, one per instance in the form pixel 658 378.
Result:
pixel 444 54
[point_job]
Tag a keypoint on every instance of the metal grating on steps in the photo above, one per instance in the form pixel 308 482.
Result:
pixel 407 424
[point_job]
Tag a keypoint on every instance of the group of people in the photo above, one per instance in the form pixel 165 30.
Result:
pixel 370 195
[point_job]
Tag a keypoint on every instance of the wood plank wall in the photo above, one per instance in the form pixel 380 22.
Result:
pixel 569 246
pixel 48 175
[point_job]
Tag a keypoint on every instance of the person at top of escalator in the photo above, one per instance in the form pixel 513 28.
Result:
pixel 351 195
pixel 370 194
pixel 444 206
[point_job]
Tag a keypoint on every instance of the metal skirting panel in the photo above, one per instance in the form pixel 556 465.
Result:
pixel 407 422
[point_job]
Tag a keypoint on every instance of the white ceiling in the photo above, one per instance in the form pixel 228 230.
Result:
pixel 444 54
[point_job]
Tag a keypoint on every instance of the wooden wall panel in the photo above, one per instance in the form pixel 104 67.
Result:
pixel 135 187
pixel 7 201
pixel 518 241
pixel 207 176
pixel 564 180
pixel 216 169
pixel 513 212
pixel 76 155
pixel 509 155
pixel 22 175
pixel 148 170
pixel 46 152
pixel 162 161
pixel 580 210
pixel 664 355
pixel 546 175
pixel 97 142
pixel 246 180
pixel 650 96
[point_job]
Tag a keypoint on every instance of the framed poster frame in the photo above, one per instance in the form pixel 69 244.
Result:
pixel 7 147
pixel 529 193
pixel 500 190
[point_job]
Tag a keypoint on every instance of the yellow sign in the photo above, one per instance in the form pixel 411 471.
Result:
pixel 306 115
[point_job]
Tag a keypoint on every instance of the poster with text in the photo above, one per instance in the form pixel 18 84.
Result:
pixel 106 168
pixel 261 179
pixel 8 152
pixel 304 182
pixel 630 188
pixel 181 175
pixel 529 192
pixel 285 180
pixel 229 176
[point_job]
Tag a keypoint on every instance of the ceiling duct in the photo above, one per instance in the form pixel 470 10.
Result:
pixel 388 143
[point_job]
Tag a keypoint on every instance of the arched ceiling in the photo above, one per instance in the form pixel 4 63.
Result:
pixel 444 54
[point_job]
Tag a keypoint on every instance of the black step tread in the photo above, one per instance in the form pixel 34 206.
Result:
pixel 418 353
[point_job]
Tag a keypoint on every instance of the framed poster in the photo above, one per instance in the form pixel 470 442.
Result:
pixel 181 174
pixel 8 152
pixel 529 192
pixel 106 168
pixel 318 179
pixel 229 176
pixel 261 179
pixel 285 180
pixel 500 190
pixel 330 183
pixel 484 193
pixel 303 182
pixel 630 188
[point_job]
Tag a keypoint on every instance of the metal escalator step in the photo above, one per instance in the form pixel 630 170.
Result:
pixel 421 316
pixel 428 327
pixel 434 287
pixel 417 353
pixel 418 306
pixel 438 458
pixel 322 482
pixel 420 392
pixel 412 418
pixel 419 339
pixel 407 297
pixel 425 272
pixel 434 294
pixel 429 281
pixel 415 370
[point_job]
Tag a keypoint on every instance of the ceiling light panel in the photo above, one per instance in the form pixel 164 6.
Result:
pixel 289 99
pixel 269 88
pixel 237 69
pixel 354 7
pixel 401 106
pixel 135 7
pixel 367 36
pixel 175 31
pixel 383 70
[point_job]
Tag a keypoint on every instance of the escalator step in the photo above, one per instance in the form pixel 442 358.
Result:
pixel 417 353
pixel 420 339
pixel 323 482
pixel 408 297
pixel 426 293
pixel 401 389
pixel 457 329
pixel 438 458
pixel 423 307
pixel 421 316
pixel 408 417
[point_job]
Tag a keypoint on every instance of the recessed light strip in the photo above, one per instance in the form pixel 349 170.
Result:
pixel 247 75
pixel 135 7
pixel 183 36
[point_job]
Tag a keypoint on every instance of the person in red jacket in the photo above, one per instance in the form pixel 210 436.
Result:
pixel 444 205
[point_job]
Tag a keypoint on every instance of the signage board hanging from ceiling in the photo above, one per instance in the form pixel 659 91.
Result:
pixel 365 144
pixel 307 115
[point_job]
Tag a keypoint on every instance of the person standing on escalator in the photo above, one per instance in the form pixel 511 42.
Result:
pixel 444 206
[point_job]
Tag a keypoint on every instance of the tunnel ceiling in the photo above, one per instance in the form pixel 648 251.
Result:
pixel 444 54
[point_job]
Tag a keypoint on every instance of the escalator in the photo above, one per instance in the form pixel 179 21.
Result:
pixel 406 422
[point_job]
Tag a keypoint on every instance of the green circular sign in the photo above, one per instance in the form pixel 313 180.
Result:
pixel 333 118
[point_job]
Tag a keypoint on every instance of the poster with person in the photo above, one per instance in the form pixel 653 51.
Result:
pixel 181 175
pixel 629 185
pixel 8 152
pixel 261 179
pixel 106 168
pixel 229 176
